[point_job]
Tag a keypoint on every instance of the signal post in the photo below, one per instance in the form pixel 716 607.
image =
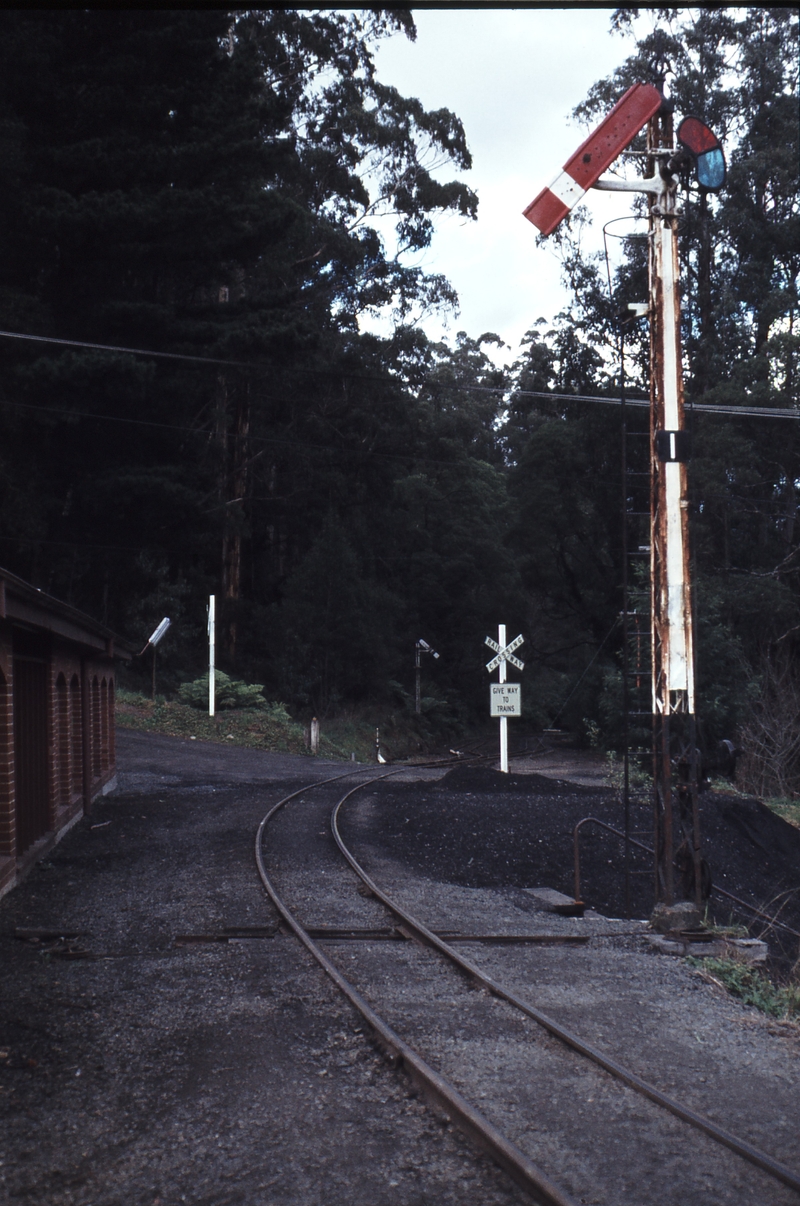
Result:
pixel 673 702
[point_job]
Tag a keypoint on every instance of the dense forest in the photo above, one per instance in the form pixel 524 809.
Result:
pixel 206 185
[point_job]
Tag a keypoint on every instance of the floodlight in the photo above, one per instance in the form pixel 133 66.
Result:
pixel 159 632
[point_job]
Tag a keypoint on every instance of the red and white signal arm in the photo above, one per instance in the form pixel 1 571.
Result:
pixel 601 148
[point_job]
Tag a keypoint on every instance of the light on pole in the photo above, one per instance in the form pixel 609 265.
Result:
pixel 420 648
pixel 151 644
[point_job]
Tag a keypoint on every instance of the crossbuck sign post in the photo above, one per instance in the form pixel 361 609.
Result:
pixel 505 700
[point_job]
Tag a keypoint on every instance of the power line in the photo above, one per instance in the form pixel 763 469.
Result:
pixel 761 412
pixel 758 412
pixel 110 347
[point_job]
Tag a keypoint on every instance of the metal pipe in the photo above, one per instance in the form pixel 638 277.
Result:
pixel 596 821
pixel 737 900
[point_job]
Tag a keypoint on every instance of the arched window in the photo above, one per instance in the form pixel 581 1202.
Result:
pixel 112 736
pixel 104 726
pixel 62 768
pixel 8 838
pixel 95 728
pixel 76 728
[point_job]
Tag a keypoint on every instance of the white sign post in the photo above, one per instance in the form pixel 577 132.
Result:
pixel 211 677
pixel 505 701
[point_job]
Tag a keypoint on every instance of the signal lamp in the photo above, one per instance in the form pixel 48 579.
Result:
pixel 706 150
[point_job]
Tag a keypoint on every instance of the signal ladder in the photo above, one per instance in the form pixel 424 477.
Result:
pixel 637 632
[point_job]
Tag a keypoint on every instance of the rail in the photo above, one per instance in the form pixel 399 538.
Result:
pixel 470 1121
pixel 740 1146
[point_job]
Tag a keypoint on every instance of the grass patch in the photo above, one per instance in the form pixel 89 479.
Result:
pixel 638 778
pixel 788 809
pixel 268 726
pixel 253 728
pixel 753 986
pixel 731 930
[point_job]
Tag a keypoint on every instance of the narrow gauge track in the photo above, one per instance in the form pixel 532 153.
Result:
pixel 400 1053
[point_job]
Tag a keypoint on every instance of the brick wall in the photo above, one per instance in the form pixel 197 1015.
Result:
pixel 80 709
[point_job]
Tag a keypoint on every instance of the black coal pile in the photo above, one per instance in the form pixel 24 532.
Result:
pixel 478 828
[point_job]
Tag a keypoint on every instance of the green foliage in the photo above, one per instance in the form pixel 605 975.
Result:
pixel 222 184
pixel 753 987
pixel 229 693
pixel 788 809
pixel 265 729
pixel 740 259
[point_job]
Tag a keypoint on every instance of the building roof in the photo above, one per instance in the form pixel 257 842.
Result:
pixel 26 604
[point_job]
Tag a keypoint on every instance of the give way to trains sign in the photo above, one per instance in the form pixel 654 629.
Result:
pixel 505 699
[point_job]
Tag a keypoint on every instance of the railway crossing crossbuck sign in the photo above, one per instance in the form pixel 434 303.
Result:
pixel 505 698
pixel 504 655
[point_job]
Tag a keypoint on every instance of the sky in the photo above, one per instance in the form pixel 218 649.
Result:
pixel 513 76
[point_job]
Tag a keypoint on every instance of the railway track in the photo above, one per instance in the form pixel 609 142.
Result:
pixel 557 1062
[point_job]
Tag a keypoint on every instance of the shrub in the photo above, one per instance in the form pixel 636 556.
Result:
pixel 228 693
pixel 753 987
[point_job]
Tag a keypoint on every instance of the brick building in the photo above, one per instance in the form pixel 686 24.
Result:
pixel 56 721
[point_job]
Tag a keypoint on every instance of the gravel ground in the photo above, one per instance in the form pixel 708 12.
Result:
pixel 516 830
pixel 232 1073
pixel 599 1141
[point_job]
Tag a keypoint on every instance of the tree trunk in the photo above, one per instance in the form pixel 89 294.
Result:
pixel 233 434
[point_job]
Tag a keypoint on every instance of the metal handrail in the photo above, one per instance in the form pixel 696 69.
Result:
pixel 648 850
pixel 611 829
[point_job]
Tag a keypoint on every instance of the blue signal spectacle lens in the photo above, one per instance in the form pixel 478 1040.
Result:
pixel 711 169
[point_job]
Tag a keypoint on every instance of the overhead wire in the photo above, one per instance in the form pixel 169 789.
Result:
pixel 339 374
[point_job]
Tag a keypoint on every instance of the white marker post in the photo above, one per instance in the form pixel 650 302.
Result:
pixel 211 678
pixel 502 706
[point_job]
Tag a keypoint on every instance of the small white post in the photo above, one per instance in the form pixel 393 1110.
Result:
pixel 417 690
pixel 501 671
pixel 211 678
pixel 314 735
